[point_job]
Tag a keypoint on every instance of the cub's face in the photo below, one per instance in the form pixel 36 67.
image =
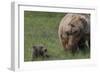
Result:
pixel 39 50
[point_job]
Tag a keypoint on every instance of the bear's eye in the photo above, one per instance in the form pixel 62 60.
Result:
pixel 72 25
pixel 68 33
pixel 71 33
pixel 74 32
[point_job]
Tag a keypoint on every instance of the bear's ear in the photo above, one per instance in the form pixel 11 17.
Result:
pixel 84 22
pixel 34 48
pixel 45 50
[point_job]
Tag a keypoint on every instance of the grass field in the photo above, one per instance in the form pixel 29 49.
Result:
pixel 42 28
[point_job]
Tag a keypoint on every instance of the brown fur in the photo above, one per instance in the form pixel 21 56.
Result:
pixel 73 29
pixel 39 51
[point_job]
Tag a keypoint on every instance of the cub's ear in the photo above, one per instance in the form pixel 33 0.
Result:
pixel 84 22
pixel 45 50
pixel 34 48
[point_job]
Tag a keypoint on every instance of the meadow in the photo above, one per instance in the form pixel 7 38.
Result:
pixel 42 28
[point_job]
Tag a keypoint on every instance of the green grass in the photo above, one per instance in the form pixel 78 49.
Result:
pixel 42 28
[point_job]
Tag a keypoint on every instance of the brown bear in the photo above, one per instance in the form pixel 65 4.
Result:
pixel 39 51
pixel 74 31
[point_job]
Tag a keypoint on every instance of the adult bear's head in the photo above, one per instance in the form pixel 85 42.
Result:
pixel 75 30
